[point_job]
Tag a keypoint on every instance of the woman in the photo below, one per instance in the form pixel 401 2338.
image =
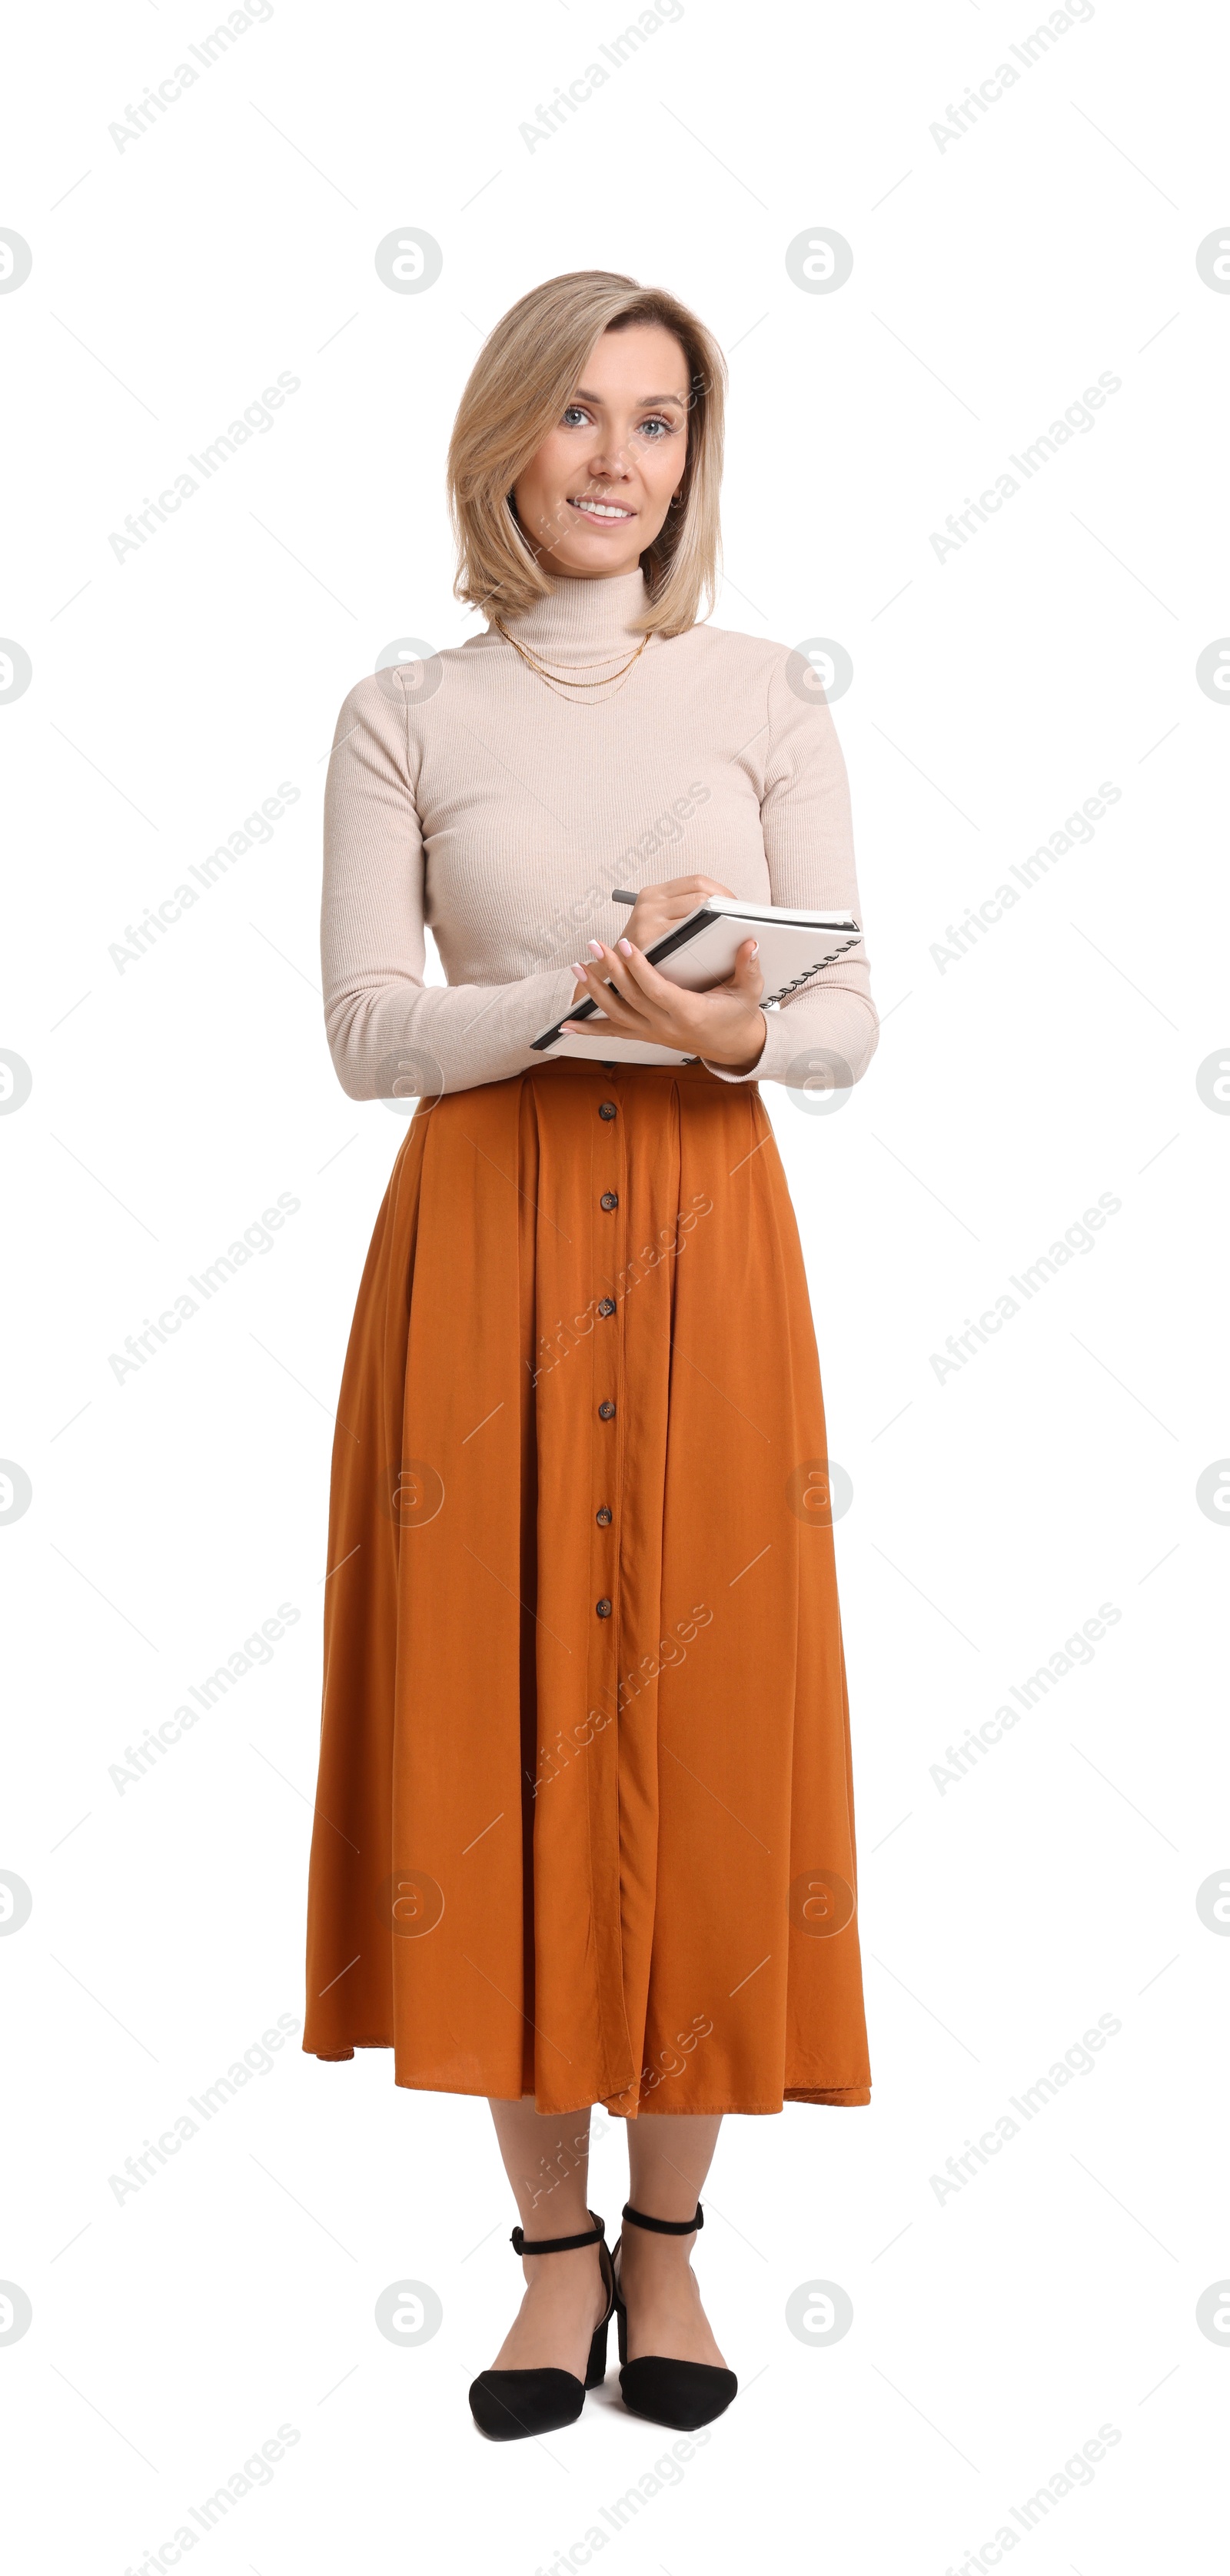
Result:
pixel 585 1797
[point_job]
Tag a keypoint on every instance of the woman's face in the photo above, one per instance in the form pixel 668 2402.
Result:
pixel 598 490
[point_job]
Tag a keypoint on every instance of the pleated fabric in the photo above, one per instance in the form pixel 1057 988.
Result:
pixel 585 1824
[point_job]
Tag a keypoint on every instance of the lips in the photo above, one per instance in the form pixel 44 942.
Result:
pixel 608 513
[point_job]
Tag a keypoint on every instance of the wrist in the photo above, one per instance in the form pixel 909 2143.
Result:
pixel 748 1057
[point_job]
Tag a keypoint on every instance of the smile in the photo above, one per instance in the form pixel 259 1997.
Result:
pixel 602 509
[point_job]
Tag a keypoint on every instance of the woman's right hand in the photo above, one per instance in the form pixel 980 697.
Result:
pixel 659 907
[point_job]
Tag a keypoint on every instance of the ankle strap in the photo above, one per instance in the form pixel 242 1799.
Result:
pixel 522 2244
pixel 664 2226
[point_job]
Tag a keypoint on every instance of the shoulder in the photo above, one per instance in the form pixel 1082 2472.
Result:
pixel 376 715
pixel 753 658
pixel 372 700
pixel 782 685
pixel 405 684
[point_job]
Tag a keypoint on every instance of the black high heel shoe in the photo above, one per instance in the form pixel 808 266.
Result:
pixel 685 2394
pixel 509 2405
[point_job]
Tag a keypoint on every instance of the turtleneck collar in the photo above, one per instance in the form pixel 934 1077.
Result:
pixel 583 621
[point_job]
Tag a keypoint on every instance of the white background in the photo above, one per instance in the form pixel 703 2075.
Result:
pixel 993 1511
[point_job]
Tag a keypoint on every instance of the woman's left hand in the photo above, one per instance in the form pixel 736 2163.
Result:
pixel 724 1024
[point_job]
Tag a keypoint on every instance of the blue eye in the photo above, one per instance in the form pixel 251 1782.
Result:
pixel 574 412
pixel 656 424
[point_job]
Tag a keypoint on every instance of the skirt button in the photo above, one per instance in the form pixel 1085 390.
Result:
pixel 604 1609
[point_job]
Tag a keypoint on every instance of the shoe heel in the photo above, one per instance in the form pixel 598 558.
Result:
pixel 596 2367
pixel 621 2315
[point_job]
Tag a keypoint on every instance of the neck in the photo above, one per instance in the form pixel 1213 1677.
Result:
pixel 584 620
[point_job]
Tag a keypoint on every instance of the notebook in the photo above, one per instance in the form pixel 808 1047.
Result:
pixel 700 952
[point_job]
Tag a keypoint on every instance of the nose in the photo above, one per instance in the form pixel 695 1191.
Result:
pixel 609 464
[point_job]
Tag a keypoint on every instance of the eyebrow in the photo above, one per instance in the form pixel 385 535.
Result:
pixel 640 405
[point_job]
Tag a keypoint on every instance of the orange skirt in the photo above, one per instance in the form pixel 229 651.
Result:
pixel 585 1825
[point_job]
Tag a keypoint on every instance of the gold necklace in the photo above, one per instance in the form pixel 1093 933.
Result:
pixel 553 680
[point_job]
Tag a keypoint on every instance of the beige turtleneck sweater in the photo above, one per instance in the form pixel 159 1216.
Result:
pixel 501 814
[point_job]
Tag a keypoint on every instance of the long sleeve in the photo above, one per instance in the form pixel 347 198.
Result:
pixel 387 1029
pixel 809 846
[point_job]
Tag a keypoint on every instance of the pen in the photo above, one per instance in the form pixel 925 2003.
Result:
pixel 620 894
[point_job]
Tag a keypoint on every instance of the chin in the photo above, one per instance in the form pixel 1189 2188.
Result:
pixel 596 558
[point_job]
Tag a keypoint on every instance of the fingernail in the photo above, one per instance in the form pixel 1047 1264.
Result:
pixel 596 945
pixel 624 946
pixel 755 948
pixel 574 969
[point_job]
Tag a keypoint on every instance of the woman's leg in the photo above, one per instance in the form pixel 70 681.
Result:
pixel 547 2163
pixel 668 2159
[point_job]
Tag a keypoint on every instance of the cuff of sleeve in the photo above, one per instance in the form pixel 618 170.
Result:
pixel 553 994
pixel 793 1043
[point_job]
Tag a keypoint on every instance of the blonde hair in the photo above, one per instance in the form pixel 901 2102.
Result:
pixel 520 383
